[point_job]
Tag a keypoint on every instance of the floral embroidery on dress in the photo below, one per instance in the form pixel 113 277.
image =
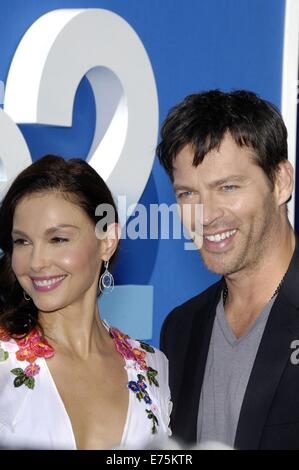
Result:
pixel 135 352
pixel 34 346
pixel 31 347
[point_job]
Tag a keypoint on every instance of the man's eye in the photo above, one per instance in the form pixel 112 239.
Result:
pixel 59 239
pixel 20 241
pixel 185 194
pixel 229 188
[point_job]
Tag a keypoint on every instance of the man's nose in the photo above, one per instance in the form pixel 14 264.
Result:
pixel 211 209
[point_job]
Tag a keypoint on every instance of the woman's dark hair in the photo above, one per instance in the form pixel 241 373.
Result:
pixel 79 183
pixel 203 119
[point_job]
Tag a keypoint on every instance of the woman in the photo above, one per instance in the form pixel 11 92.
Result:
pixel 67 380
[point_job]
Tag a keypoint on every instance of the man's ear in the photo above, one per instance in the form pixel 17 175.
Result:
pixel 110 241
pixel 284 181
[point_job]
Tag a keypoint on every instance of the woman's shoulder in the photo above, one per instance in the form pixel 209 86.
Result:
pixel 22 357
pixel 136 350
pixel 145 362
pixel 147 369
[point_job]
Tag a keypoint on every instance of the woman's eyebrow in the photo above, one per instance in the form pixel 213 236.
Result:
pixel 57 227
pixel 49 230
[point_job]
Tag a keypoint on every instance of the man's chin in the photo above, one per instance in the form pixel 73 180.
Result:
pixel 215 266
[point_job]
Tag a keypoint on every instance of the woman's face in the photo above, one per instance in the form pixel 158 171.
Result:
pixel 56 255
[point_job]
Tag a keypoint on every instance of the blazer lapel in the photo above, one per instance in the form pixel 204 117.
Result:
pixel 272 357
pixel 194 368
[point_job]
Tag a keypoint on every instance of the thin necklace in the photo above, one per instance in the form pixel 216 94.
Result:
pixel 225 291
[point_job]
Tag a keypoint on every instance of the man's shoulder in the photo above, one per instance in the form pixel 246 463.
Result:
pixel 181 321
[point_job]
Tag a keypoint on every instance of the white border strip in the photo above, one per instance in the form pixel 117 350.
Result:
pixel 289 90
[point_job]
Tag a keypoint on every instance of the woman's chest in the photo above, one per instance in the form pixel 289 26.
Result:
pixel 95 398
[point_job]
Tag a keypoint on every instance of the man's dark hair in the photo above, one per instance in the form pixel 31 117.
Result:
pixel 202 120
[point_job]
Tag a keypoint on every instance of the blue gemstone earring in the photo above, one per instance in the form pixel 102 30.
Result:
pixel 106 282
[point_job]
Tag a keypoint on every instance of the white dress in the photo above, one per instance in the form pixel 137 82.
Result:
pixel 36 418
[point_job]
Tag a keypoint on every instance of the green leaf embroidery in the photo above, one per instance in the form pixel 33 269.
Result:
pixel 19 380
pixel 155 421
pixel 151 375
pixel 3 355
pixel 29 382
pixel 147 347
pixel 18 371
pixel 140 395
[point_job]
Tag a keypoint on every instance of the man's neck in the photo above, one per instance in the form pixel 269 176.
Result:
pixel 249 292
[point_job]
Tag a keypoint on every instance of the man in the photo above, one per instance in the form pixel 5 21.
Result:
pixel 233 367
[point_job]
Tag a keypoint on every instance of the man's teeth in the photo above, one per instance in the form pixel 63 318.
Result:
pixel 220 236
pixel 48 282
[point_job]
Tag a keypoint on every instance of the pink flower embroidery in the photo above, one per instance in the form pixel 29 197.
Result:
pixel 32 370
pixel 31 347
pixel 128 348
pixel 139 357
pixel 135 353
pixel 42 349
pixel 154 408
pixel 25 354
pixel 122 344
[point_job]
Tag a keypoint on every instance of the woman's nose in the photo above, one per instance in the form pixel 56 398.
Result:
pixel 39 258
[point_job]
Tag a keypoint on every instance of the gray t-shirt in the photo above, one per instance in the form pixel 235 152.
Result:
pixel 228 368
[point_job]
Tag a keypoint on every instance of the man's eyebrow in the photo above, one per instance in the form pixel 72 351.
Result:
pixel 228 179
pixel 49 230
pixel 182 187
pixel 212 184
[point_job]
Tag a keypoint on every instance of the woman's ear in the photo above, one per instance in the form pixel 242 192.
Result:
pixel 284 181
pixel 110 241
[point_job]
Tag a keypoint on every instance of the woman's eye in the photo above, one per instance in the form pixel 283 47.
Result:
pixel 59 239
pixel 20 241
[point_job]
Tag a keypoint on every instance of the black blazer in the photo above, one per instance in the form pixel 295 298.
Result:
pixel 269 416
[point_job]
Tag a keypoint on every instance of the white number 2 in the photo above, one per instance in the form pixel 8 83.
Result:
pixel 56 52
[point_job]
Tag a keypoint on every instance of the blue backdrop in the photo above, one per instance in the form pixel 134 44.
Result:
pixel 193 45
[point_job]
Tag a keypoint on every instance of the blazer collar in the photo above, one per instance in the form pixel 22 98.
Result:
pixel 272 357
pixel 289 288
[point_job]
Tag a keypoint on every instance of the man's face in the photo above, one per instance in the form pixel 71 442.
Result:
pixel 240 212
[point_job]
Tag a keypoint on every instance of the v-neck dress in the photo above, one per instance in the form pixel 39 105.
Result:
pixel 37 419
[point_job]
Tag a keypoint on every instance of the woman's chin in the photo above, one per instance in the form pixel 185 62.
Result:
pixel 48 307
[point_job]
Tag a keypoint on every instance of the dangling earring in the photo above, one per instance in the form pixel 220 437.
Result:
pixel 106 282
pixel 26 297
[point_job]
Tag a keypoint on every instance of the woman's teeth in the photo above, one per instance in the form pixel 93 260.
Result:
pixel 48 282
